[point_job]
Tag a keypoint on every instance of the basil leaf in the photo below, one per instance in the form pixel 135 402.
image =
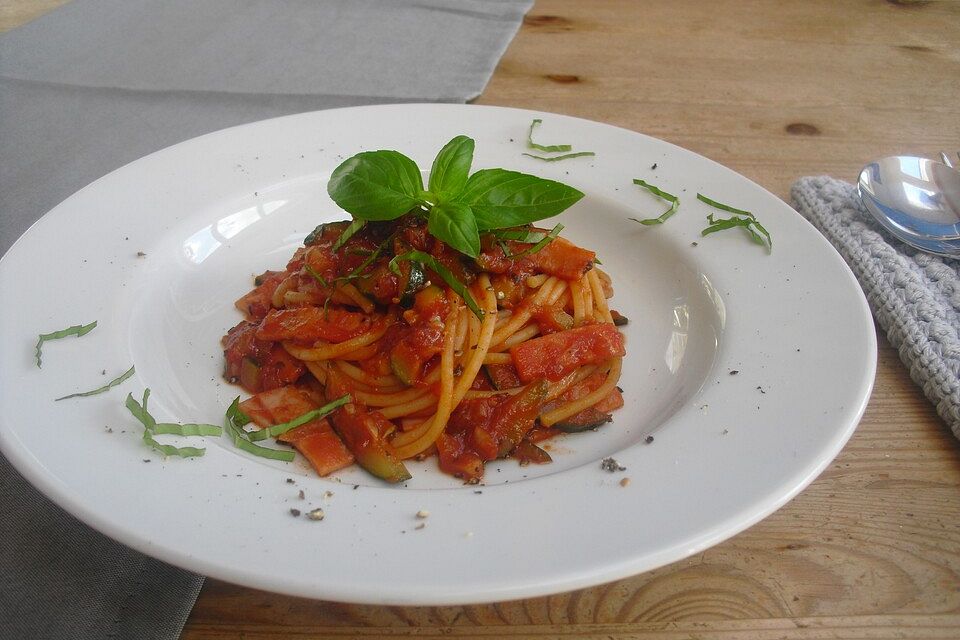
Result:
pixel 454 224
pixel 501 198
pixel 669 197
pixel 118 380
pixel 431 263
pixel 376 185
pixel 549 148
pixel 355 226
pixel 451 168
pixel 76 330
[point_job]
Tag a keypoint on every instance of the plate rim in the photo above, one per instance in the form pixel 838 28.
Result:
pixel 721 531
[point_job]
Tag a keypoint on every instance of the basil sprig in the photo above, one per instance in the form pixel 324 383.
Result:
pixel 384 185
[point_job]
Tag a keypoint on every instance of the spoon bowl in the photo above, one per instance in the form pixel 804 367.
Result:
pixel 915 199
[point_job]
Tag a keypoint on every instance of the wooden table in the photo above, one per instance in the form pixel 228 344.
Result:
pixel 774 89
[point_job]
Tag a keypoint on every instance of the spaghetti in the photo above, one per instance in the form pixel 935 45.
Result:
pixel 526 350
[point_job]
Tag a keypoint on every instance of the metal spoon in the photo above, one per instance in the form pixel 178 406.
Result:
pixel 915 199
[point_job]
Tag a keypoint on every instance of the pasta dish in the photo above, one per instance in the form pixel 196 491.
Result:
pixel 428 351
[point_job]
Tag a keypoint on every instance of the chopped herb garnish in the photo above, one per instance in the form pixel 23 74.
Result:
pixel 549 148
pixel 283 427
pixel 234 420
pixel 118 380
pixel 76 330
pixel 544 241
pixel 316 276
pixel 742 218
pixel 723 207
pixel 358 272
pixel 431 263
pixel 188 429
pixel 385 185
pixel 566 156
pixel 169 449
pixel 151 428
pixel 355 226
pixel 669 197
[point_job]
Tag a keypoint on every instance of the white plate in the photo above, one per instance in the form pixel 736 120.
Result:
pixel 750 369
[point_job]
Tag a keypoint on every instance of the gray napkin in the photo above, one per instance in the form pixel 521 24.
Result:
pixel 914 296
pixel 99 83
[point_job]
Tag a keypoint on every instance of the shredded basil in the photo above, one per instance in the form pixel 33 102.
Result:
pixel 118 380
pixel 151 428
pixel 545 239
pixel 355 226
pixel 169 449
pixel 316 276
pixel 550 237
pixel 187 429
pixel 743 219
pixel 519 235
pixel 565 156
pixel 430 262
pixel 669 197
pixel 76 330
pixel 549 148
pixel 283 427
pixel 234 420
pixel 723 207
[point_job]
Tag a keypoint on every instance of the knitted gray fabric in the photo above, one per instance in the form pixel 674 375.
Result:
pixel 914 296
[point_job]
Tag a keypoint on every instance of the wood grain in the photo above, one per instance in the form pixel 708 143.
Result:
pixel 774 89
